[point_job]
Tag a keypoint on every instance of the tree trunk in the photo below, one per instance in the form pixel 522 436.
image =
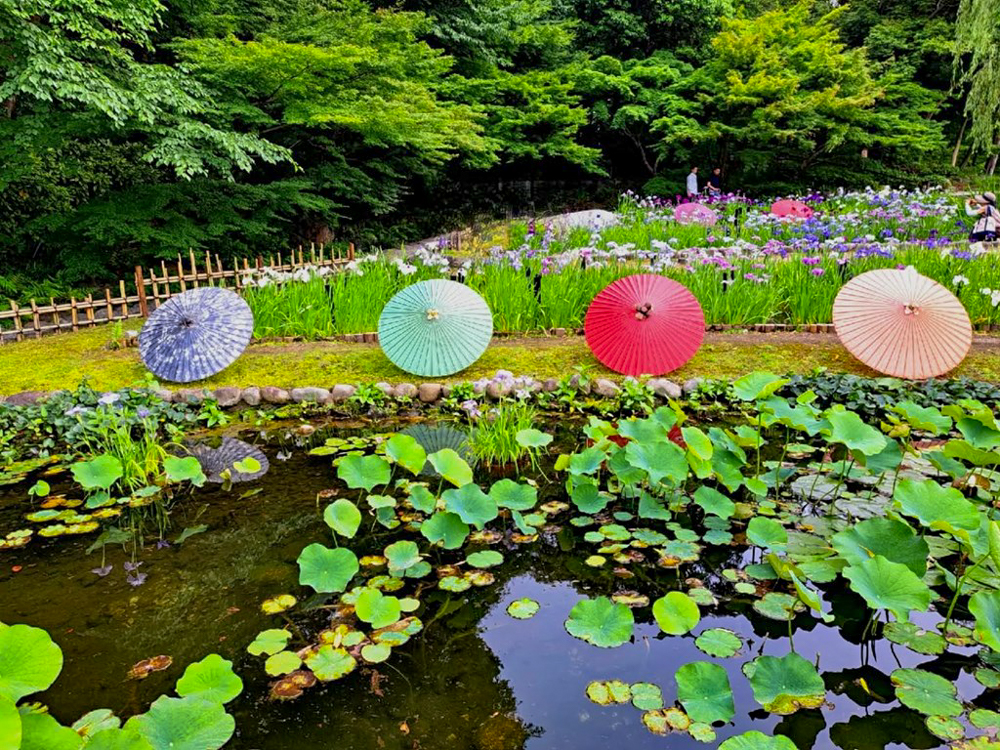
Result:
pixel 991 165
pixel 9 105
pixel 958 143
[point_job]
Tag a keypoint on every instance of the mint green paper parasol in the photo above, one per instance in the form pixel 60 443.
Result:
pixel 435 328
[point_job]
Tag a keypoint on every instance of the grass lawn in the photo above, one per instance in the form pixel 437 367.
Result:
pixel 63 360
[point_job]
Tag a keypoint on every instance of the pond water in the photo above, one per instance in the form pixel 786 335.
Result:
pixel 474 677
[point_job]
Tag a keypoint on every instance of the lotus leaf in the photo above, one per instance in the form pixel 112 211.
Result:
pixel 522 609
pixel 329 663
pixel 269 642
pixel 513 495
pixel 808 596
pixel 402 555
pixel 184 724
pixel 377 609
pixel 642 430
pixel 10 725
pixel 662 721
pixel 451 466
pixel 343 517
pixel 600 622
pixel 327 570
pixel 588 498
pixel 659 460
pixel 945 727
pixel 375 653
pixel 926 692
pixel 754 740
pixel 407 452
pixel 118 739
pixel 988 678
pixel 454 584
pixel 676 613
pixel 177 469
pixel 470 504
pixel 363 472
pixel 446 529
pixel 892 539
pixel 889 585
pixel 646 696
pixel 586 461
pixel 850 431
pixel 485 559
pixel 984 718
pixel 95 721
pixel 719 642
pixel 281 663
pixel 714 502
pixel 278 604
pixel 421 498
pixel 937 507
pixel 766 532
pixel 783 685
pixel 757 385
pixel 985 607
pixel 29 661
pixel 698 443
pixel 607 692
pixel 532 438
pixel 99 473
pixel 212 679
pixel 40 731
pixel 703 689
pixel 915 638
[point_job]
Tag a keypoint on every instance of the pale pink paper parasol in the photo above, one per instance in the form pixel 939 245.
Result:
pixel 902 324
pixel 695 213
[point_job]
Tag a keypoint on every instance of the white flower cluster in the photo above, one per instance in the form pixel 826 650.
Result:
pixel 993 294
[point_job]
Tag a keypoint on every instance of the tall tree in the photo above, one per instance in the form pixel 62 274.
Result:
pixel 977 66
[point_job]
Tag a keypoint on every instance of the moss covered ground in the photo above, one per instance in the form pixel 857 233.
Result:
pixel 64 360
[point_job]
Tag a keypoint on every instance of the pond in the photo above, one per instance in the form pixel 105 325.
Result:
pixel 474 676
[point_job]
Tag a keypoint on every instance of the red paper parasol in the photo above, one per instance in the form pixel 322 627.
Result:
pixel 695 213
pixel 902 324
pixel 644 325
pixel 789 208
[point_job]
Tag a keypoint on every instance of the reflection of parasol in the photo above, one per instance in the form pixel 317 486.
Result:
pixel 196 334
pixel 695 213
pixel 644 325
pixel 215 461
pixel 435 328
pixel 436 437
pixel 902 324
pixel 793 209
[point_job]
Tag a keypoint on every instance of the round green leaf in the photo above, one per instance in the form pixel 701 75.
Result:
pixel 892 539
pixel 703 689
pixel 269 642
pixel 470 504
pixel 375 653
pixel 118 739
pixel 660 460
pixel 363 472
pixel 783 685
pixel 888 585
pixel 402 555
pixel 485 559
pixel 600 622
pixel 281 663
pixel 343 517
pixel 329 663
pixel 676 613
pixel 766 532
pixel 850 431
pixel 714 502
pixel 451 466
pixel 212 679
pixel 604 693
pixel 945 727
pixel 95 721
pixel 10 725
pixel 184 724
pixel 101 472
pixel 327 570
pixel 522 609
pixel 926 692
pixel 754 740
pixel 29 661
pixel 646 696
pixel 377 609
pixel 532 438
pixel 446 529
pixel 719 642
pixel 915 638
pixel 40 731
pixel 407 452
pixel 513 495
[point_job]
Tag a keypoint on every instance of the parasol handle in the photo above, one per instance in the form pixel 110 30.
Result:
pixel 911 309
pixel 433 314
pixel 643 311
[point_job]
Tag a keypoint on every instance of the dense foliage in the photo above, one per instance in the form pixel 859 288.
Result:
pixel 130 131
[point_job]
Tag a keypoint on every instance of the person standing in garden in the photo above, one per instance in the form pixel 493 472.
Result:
pixel 692 184
pixel 987 225
pixel 715 183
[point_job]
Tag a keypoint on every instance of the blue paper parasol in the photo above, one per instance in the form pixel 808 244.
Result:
pixel 435 328
pixel 196 334
pixel 216 461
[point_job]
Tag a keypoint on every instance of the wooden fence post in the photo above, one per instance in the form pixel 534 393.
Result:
pixel 350 251
pixel 140 285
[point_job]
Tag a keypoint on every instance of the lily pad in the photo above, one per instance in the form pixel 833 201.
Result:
pixel 522 609
pixel 118 739
pixel 282 663
pixel 945 727
pixel 377 609
pixel 40 731
pixel 915 638
pixel 29 661
pixel 485 559
pixel 777 605
pixel 329 663
pixel 277 604
pixel 604 693
pixel 676 613
pixel 455 584
pixel 446 529
pixel 892 539
pixel 184 724
pixel 513 495
pixel 343 517
pixel 363 472
pixel 783 685
pixel 327 570
pixel 646 696
pixel 719 642
pixel 926 692
pixel 703 689
pixel 99 473
pixel 402 555
pixel 600 622
pixel 754 740
pixel 212 679
pixel 888 585
pixel 470 504
pixel 451 466
pixel 714 502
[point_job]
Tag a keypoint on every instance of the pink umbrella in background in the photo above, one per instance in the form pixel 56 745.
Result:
pixel 695 213
pixel 788 208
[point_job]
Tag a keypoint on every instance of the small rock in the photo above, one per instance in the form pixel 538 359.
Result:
pixel 192 396
pixel 385 388
pixel 342 392
pixel 692 385
pixel 251 396
pixel 558 331
pixel 24 398
pixel 164 394
pixel 605 388
pixel 497 389
pixel 310 395
pixel 429 392
pixel 445 391
pixel 273 395
pixel 479 387
pixel 404 391
pixel 228 396
pixel 550 385
pixel 665 388
pixel 579 384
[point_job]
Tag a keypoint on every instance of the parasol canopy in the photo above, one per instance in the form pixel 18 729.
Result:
pixel 792 209
pixel 695 213
pixel 435 328
pixel 644 325
pixel 902 324
pixel 215 461
pixel 196 334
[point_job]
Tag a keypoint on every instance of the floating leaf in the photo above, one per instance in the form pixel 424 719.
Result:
pixel 187 469
pixel 714 502
pixel 719 642
pixel 470 504
pixel 40 731
pixel 10 725
pixel 926 692
pixel 278 604
pixel 454 584
pixel 343 517
pixel 95 721
pixel 914 638
pixel 662 721
pixel 604 693
pixel 451 466
pixel 212 679
pixel 532 438
pixel 676 613
pixel 766 532
pixel 485 559
pixel 29 661
pixel 522 609
pixel 281 663
pixel 446 529
pixel 783 685
pixel 703 689
pixel 600 622
pixel 646 696
pixel 118 739
pixel 407 452
pixel 945 727
pixel 376 608
pixel 586 461
pixel 375 653
pixel 402 555
pixel 754 740
pixel 329 663
pixel 984 718
pixel 363 472
pixel 99 473
pixel 892 539
pixel 327 570
pixel 888 585
pixel 513 495
pixel 184 724
pixel 777 605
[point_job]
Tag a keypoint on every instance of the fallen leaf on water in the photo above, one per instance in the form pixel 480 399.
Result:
pixel 141 670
